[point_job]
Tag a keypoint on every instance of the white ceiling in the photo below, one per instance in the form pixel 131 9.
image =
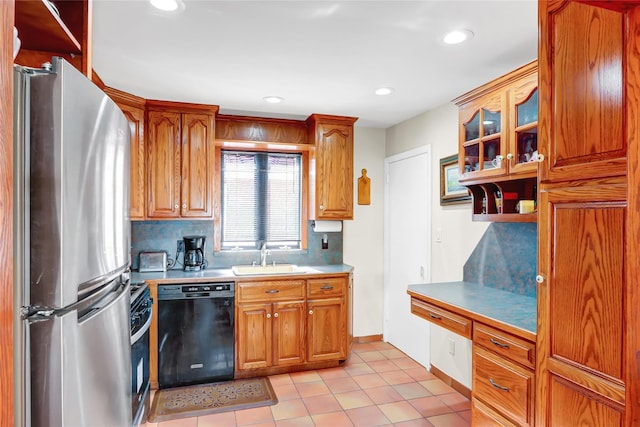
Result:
pixel 323 57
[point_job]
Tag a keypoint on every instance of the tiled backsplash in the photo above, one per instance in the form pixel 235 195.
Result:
pixel 505 258
pixel 163 236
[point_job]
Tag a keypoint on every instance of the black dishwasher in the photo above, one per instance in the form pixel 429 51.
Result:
pixel 195 333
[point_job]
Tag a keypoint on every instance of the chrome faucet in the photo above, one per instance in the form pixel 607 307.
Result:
pixel 263 254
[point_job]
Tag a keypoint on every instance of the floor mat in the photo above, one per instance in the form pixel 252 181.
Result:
pixel 203 399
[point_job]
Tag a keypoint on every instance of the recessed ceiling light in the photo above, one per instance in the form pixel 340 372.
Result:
pixel 457 36
pixel 166 5
pixel 384 91
pixel 273 99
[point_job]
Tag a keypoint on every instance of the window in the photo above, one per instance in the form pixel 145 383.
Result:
pixel 261 200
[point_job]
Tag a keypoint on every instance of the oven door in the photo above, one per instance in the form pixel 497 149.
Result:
pixel 140 373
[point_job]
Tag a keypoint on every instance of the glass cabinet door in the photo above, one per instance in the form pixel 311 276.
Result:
pixel 525 148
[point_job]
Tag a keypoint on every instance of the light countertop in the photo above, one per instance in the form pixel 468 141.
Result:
pixel 225 274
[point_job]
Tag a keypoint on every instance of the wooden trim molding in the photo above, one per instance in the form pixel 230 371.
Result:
pixel 367 338
pixel 254 129
pixel 7 11
pixel 451 382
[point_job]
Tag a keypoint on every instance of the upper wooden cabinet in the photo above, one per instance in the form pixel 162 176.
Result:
pixel 62 30
pixel 180 160
pixel 589 222
pixel 331 192
pixel 498 127
pixel 498 145
pixel 133 109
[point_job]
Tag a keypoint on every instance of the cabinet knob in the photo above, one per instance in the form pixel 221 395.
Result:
pixel 310 311
pixel 509 156
pixel 176 206
pixel 275 315
pixel 184 206
pixel 321 207
pixel 540 278
pixel 268 315
pixel 540 157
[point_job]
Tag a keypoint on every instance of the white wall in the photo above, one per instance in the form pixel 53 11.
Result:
pixel 458 234
pixel 363 237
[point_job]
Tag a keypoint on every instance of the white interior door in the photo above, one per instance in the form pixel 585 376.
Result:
pixel 407 248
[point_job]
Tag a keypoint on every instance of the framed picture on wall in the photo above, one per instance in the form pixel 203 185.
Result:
pixel 451 191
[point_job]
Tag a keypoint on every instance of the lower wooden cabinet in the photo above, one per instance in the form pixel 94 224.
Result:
pixel 272 334
pixel 503 365
pixel 288 324
pixel 503 385
pixel 503 377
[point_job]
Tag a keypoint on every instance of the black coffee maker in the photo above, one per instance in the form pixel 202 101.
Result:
pixel 194 253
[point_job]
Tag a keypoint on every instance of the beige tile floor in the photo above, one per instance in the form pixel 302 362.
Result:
pixel 378 386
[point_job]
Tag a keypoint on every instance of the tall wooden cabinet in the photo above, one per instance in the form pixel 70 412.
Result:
pixel 588 369
pixel 331 193
pixel 180 160
pixel 133 109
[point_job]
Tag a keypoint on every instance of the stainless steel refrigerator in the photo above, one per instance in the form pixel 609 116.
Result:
pixel 72 251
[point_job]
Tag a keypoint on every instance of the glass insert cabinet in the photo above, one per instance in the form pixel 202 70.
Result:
pixel 498 145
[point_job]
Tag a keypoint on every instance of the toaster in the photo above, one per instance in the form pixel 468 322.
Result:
pixel 152 261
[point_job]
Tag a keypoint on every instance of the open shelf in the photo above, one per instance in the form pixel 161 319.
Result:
pixel 40 28
pixel 497 201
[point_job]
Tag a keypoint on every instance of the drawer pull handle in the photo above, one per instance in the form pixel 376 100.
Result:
pixel 434 316
pixel 499 344
pixel 498 386
pixel 326 287
pixel 272 291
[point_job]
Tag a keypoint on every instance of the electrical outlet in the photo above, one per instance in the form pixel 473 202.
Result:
pixel 180 246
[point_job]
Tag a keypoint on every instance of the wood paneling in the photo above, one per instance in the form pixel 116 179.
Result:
pixel 326 329
pixel 331 195
pixel 133 109
pixel 6 215
pixel 241 128
pixel 632 235
pixel 587 360
pixel 572 406
pixel 198 156
pixel 583 106
pixel 163 164
pixel 288 336
pixel 589 301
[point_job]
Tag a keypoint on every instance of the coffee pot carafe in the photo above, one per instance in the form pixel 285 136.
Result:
pixel 194 253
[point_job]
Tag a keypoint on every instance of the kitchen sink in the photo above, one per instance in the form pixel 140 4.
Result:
pixel 253 270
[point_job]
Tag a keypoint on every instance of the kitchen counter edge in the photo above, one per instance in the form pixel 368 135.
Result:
pixel 511 312
pixel 226 274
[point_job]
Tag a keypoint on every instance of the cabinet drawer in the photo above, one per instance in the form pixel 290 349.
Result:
pixel 332 286
pixel 506 345
pixel 273 290
pixel 458 324
pixel 484 416
pixel 503 385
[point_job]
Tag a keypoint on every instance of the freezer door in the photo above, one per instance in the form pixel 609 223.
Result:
pixel 79 185
pixel 80 372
